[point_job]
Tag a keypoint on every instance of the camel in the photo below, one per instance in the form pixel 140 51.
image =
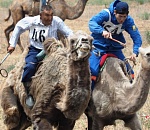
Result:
pixel 60 88
pixel 20 8
pixel 114 97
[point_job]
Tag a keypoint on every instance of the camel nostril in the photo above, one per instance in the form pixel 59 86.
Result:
pixel 84 40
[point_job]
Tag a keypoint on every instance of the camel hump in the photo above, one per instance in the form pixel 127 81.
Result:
pixel 52 45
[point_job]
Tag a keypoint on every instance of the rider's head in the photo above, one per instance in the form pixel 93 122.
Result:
pixel 46 14
pixel 121 11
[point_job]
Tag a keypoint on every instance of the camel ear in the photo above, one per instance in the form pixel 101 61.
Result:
pixel 141 50
pixel 144 51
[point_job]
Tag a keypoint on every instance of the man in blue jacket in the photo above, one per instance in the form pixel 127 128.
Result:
pixel 109 23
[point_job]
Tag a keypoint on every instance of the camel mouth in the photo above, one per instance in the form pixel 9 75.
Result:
pixel 85 48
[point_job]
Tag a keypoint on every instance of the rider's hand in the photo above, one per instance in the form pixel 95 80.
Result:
pixel 10 49
pixel 133 57
pixel 106 34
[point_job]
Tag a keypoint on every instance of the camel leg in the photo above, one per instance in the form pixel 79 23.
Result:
pixel 8 30
pixel 89 112
pixel 66 124
pixel 98 124
pixel 89 118
pixel 20 45
pixel 10 108
pixel 133 123
pixel 24 122
pixel 20 15
pixel 41 124
pixel 89 122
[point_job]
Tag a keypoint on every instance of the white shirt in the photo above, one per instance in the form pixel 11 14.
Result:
pixel 38 32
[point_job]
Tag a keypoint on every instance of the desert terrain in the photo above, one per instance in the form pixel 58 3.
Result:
pixel 136 11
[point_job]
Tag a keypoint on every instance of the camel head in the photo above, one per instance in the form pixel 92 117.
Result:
pixel 145 55
pixel 80 45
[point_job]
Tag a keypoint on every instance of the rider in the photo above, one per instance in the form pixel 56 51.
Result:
pixel 40 27
pixel 107 24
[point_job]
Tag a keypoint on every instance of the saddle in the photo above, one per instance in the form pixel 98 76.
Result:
pixel 102 65
pixel 104 57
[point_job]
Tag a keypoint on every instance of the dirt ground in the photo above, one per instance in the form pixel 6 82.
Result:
pixel 81 23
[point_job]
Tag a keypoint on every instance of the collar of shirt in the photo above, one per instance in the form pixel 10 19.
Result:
pixel 39 21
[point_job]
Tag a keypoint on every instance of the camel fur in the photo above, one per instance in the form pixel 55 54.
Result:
pixel 20 8
pixel 114 97
pixel 60 87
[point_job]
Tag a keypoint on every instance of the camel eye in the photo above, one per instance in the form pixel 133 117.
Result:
pixel 72 41
pixel 148 54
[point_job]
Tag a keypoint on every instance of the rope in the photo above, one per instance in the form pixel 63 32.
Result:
pixel 130 69
pixel 121 43
pixel 124 45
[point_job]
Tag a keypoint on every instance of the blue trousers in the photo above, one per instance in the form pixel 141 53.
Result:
pixel 95 63
pixel 43 2
pixel 31 64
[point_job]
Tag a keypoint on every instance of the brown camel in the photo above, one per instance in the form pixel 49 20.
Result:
pixel 20 8
pixel 114 97
pixel 60 87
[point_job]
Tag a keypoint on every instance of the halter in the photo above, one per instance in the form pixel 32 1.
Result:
pixel 79 40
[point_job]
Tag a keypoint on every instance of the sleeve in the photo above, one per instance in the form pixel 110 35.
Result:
pixel 132 29
pixel 20 27
pixel 96 22
pixel 63 28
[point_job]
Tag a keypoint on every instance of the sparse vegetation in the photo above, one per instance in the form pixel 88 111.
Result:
pixel 147 33
pixel 81 23
pixel 145 16
pixel 5 3
pixel 9 68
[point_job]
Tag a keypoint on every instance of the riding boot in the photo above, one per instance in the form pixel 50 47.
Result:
pixel 29 99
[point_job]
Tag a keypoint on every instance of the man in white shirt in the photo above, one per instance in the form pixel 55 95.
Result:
pixel 40 27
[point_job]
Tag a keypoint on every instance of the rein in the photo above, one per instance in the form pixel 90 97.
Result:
pixel 121 43
pixel 77 46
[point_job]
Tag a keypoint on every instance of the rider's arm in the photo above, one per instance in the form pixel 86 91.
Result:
pixel 20 27
pixel 62 27
pixel 95 23
pixel 134 34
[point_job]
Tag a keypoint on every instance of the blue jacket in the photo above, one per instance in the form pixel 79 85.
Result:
pixel 103 44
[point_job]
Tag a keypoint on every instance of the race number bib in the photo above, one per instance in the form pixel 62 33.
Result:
pixel 39 33
pixel 112 28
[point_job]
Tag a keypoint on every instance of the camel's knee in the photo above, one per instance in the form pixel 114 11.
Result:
pixel 20 46
pixel 9 100
pixel 12 111
pixel 11 117
pixel 41 124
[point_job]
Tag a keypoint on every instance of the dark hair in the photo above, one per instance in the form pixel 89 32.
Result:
pixel 46 7
pixel 122 8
